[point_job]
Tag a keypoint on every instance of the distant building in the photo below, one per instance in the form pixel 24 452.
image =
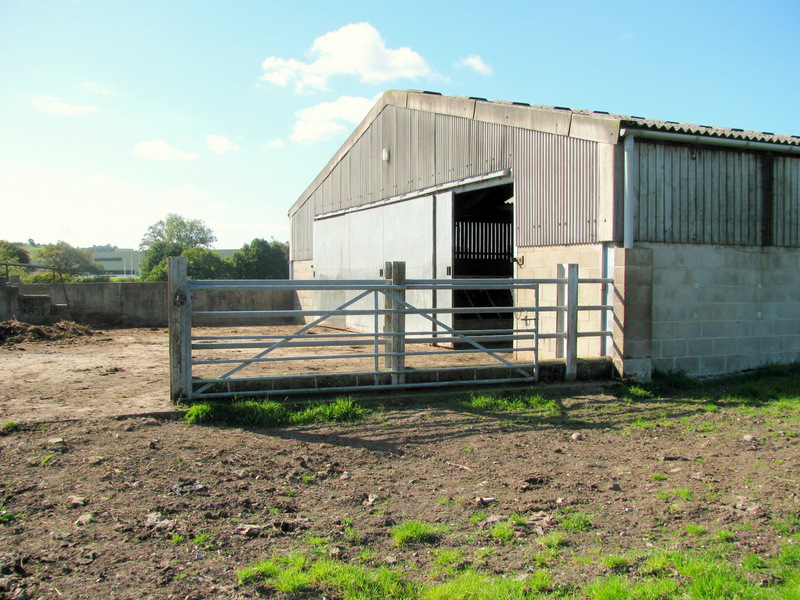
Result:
pixel 699 226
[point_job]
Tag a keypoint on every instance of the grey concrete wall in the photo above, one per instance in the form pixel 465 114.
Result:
pixel 720 309
pixel 145 304
pixel 9 302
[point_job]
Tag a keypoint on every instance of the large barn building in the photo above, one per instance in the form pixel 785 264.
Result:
pixel 699 226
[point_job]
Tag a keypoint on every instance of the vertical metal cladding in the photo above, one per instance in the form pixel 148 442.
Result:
pixel 555 191
pixel 786 201
pixel 302 228
pixel 697 195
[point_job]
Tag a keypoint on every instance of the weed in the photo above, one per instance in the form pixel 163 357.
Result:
pixel 658 476
pixel 8 427
pixel 352 535
pixel 177 538
pixel 415 532
pixel 367 556
pixel 45 460
pixel 517 519
pixel 347 521
pixel 683 493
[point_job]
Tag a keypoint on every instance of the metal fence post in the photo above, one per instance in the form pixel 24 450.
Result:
pixel 180 330
pixel 388 360
pixel 561 317
pixel 571 373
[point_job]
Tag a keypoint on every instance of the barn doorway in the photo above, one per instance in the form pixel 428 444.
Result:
pixel 483 247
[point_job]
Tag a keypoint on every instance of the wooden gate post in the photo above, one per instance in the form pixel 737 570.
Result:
pixel 180 330
pixel 571 323
pixel 394 323
pixel 399 322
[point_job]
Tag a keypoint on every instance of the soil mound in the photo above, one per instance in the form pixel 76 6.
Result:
pixel 15 332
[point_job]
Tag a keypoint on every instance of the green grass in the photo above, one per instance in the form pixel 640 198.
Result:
pixel 177 538
pixel 415 532
pixel 576 521
pixel 658 476
pixel 491 403
pixel 6 516
pixel 502 532
pixel 268 413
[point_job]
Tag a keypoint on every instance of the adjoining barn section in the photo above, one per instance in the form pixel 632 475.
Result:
pixel 698 226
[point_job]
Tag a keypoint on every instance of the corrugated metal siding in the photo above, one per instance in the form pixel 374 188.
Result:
pixel 302 231
pixel 555 190
pixel 697 195
pixel 786 201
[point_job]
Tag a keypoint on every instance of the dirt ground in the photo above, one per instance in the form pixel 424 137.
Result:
pixel 96 502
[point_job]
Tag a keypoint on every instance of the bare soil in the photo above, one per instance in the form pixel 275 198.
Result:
pixel 106 494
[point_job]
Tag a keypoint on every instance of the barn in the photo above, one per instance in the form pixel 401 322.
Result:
pixel 698 226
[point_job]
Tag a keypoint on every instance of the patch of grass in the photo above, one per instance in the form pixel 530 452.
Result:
pixel 723 535
pixel 683 493
pixel 577 521
pixel 477 517
pixel 553 540
pixel 267 413
pixel 6 516
pixel 693 529
pixel 177 538
pixel 502 532
pixel 415 532
pixel 658 476
pixel 47 458
pixel 615 562
pixel 8 428
pixel 203 539
pixel 501 404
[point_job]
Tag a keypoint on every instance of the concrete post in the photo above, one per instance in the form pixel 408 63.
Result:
pixel 179 308
pixel 571 321
pixel 633 312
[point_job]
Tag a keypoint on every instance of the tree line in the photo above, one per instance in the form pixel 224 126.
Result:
pixel 173 236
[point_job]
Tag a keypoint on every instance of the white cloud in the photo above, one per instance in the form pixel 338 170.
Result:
pixel 221 143
pixel 475 62
pixel 356 49
pixel 276 143
pixel 97 88
pixel 161 150
pixel 326 120
pixel 54 106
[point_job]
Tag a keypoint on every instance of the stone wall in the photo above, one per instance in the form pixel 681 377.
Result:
pixel 720 309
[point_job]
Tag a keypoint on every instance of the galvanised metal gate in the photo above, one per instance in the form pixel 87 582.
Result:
pixel 385 334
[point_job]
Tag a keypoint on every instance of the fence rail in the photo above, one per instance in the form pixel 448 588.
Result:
pixel 392 333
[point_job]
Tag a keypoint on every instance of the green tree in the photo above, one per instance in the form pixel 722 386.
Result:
pixel 261 259
pixel 187 233
pixel 71 261
pixel 11 253
pixel 201 263
pixel 157 254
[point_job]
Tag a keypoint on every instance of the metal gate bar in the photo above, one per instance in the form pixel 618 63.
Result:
pixel 190 362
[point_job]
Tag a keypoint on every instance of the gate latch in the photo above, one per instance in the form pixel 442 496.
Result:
pixel 180 299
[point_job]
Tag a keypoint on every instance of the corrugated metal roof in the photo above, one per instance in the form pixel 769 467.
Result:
pixel 583 124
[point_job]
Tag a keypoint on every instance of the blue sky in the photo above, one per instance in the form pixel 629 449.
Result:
pixel 115 113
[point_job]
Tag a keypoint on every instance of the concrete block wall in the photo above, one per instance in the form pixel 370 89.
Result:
pixel 542 263
pixel 720 309
pixel 304 299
